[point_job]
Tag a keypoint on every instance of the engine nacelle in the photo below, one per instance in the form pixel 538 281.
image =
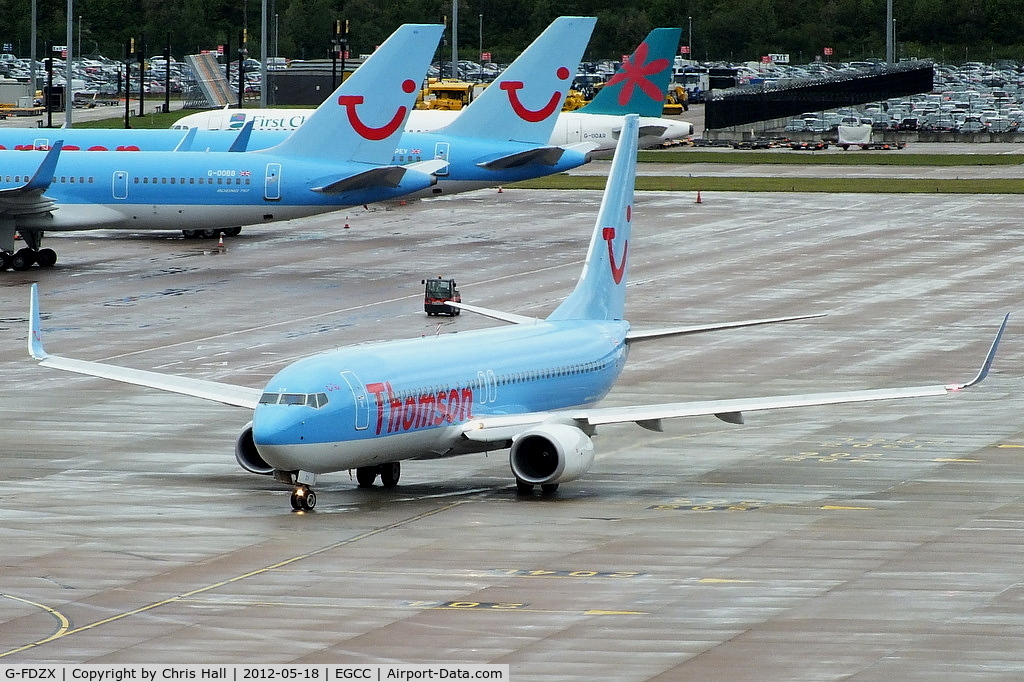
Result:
pixel 248 456
pixel 551 453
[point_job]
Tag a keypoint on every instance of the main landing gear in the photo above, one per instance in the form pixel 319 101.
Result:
pixel 23 259
pixel 389 474
pixel 212 233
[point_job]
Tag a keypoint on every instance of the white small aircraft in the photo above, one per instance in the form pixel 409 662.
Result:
pixel 530 387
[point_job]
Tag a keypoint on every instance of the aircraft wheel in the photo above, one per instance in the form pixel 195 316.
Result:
pixel 5 260
pixel 366 476
pixel 209 234
pixel 190 234
pixel 23 259
pixel 232 231
pixel 523 488
pixel 46 258
pixel 303 499
pixel 549 487
pixel 390 473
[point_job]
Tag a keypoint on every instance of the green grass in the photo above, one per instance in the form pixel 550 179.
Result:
pixel 663 183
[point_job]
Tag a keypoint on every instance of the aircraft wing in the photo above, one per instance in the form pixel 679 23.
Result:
pixel 28 200
pixel 229 394
pixel 644 335
pixel 503 428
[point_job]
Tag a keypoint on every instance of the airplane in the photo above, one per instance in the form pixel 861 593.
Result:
pixel 638 87
pixel 531 387
pixel 500 138
pixel 340 157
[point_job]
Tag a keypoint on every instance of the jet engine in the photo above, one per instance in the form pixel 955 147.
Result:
pixel 248 456
pixel 551 454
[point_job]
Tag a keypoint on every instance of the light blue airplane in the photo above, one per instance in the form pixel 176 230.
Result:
pixel 502 137
pixel 530 387
pixel 341 157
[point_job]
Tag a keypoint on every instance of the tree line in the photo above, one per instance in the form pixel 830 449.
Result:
pixel 733 30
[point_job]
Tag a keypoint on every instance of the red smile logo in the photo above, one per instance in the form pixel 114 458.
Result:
pixel 608 234
pixel 533 116
pixel 350 102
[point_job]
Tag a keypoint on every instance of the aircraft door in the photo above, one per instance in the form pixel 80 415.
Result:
pixel 441 150
pixel 359 396
pixel 119 188
pixel 272 182
pixel 573 130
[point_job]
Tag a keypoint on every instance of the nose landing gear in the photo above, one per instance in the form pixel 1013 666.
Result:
pixel 303 498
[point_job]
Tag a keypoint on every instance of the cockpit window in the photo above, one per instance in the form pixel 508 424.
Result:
pixel 314 400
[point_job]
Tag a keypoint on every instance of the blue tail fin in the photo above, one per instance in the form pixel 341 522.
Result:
pixel 641 83
pixel 363 119
pixel 601 292
pixel 523 103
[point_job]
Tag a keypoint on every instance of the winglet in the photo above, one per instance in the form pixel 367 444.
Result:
pixel 44 174
pixel 35 335
pixel 987 365
pixel 241 142
pixel 185 143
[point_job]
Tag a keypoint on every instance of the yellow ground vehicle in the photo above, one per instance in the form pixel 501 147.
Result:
pixel 446 94
pixel 676 101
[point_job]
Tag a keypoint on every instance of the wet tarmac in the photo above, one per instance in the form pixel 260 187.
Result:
pixel 861 542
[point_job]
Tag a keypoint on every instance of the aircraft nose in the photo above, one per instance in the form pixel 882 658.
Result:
pixel 278 425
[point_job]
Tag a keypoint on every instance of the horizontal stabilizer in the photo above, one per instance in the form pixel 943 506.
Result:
pixel 652 130
pixel 638 335
pixel 381 176
pixel 544 156
pixel 494 314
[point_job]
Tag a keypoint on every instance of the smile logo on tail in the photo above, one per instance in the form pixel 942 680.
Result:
pixel 634 74
pixel 608 234
pixel 350 102
pixel 529 115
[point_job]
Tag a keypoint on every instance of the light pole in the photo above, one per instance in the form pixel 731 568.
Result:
pixel 455 38
pixel 689 38
pixel 480 52
pixel 69 95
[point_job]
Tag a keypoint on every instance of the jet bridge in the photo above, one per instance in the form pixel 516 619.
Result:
pixel 784 99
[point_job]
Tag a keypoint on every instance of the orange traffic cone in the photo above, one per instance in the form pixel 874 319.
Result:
pixel 346 222
pixel 220 242
pixel 499 189
pixel 699 200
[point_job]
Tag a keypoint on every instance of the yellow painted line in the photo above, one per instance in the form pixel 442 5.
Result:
pixel 717 581
pixel 836 507
pixel 954 459
pixel 1010 445
pixel 594 612
pixel 64 632
pixel 64 624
